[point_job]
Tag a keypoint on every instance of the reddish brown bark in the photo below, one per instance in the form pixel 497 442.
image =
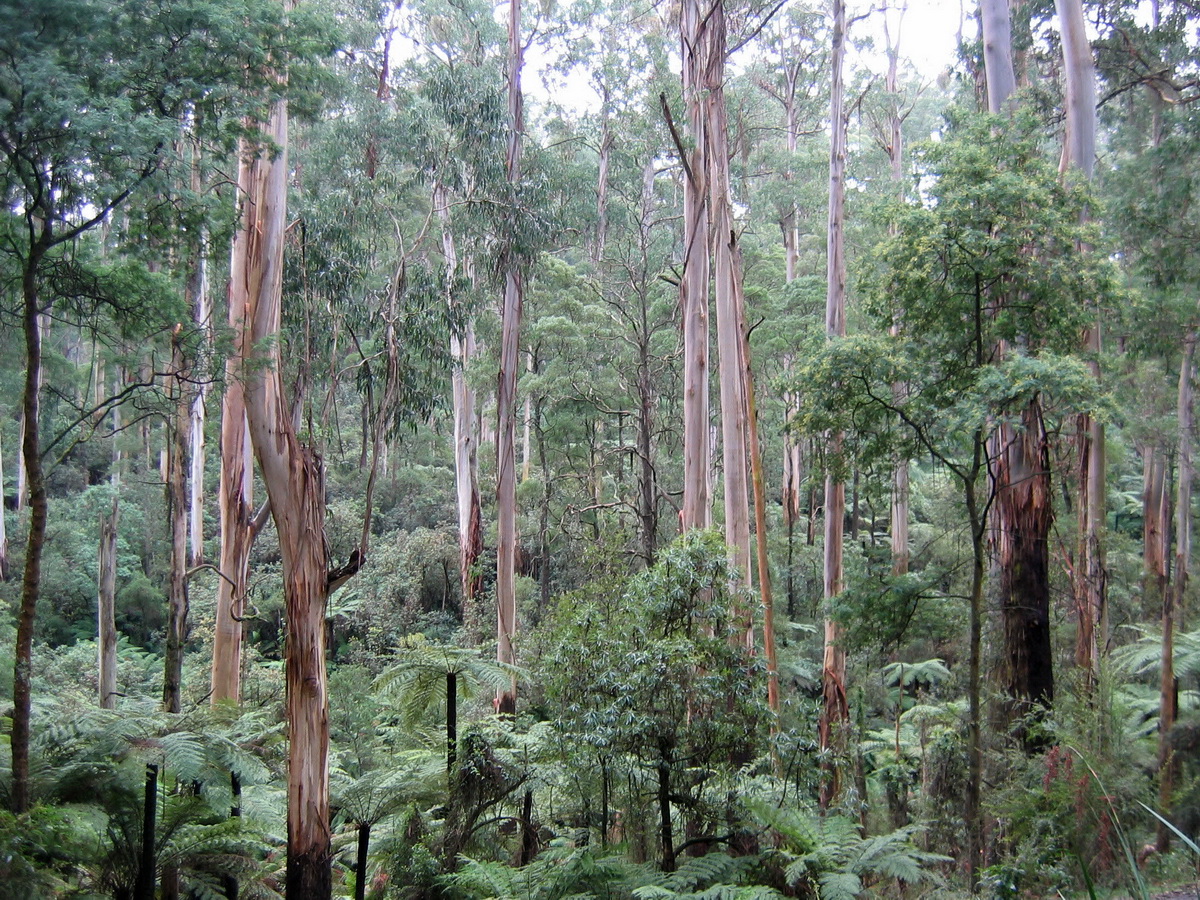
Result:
pixel 294 478
pixel 1023 520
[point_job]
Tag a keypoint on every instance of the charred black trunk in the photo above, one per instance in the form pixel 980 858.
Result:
pixel 147 864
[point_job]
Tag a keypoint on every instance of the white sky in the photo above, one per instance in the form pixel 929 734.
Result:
pixel 928 37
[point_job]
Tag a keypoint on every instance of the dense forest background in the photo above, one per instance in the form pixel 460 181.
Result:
pixel 601 449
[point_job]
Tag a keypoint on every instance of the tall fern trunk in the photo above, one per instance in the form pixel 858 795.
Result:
pixel 147 863
pixel 451 725
pixel 360 867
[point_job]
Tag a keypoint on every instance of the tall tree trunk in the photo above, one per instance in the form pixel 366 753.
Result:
pixel 693 287
pixel 200 300
pixel 1023 515
pixel 997 53
pixel 506 395
pixel 835 713
pixel 1155 511
pixel 32 578
pixel 466 478
pixel 106 580
pixel 973 806
pixel 236 484
pixel 1173 601
pixel 731 368
pixel 177 515
pixel 606 144
pixel 294 479
pixel 766 595
pixel 526 425
pixel 106 606
pixel 898 526
pixel 1079 153
pixel 647 479
pixel 1022 481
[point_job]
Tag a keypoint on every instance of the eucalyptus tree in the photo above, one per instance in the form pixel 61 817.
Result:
pixel 89 103
pixel 835 712
pixel 1079 154
pixel 940 267
pixel 1024 512
pixel 463 155
pixel 506 391
pixel 1152 188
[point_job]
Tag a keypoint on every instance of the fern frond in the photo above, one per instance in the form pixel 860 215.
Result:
pixel 839 886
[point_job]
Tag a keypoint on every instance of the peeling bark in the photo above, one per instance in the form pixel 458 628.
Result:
pixel 1023 520
pixel 294 478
